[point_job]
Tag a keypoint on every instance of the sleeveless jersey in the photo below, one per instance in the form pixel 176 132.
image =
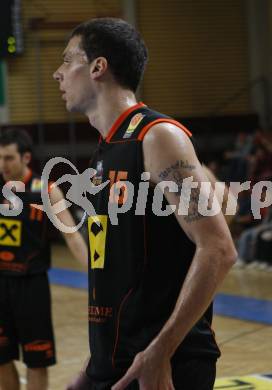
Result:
pixel 24 247
pixel 137 267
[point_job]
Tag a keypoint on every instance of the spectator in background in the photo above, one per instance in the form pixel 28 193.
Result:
pixel 238 164
pixel 261 158
pixel 244 218
pixel 246 245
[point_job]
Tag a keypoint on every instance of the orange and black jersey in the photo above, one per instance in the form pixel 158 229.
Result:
pixel 24 247
pixel 137 267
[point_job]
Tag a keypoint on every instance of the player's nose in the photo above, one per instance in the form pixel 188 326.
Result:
pixel 57 75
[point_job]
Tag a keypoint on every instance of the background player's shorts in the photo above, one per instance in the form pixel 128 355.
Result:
pixel 25 320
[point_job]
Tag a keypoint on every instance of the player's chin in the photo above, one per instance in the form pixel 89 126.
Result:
pixel 72 108
pixel 69 106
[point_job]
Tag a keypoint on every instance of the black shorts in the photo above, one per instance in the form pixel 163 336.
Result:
pixel 25 320
pixel 189 374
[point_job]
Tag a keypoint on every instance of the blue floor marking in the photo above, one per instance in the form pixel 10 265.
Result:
pixel 68 278
pixel 243 308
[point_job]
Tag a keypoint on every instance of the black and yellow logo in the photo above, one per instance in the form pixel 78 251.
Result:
pixel 243 383
pixel 97 228
pixel 10 232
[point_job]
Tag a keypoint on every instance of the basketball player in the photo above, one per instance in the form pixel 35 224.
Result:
pixel 25 303
pixel 152 278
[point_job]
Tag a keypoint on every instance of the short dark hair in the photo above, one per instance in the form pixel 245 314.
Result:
pixel 120 43
pixel 18 137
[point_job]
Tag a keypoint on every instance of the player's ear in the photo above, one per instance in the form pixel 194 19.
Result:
pixel 98 67
pixel 26 157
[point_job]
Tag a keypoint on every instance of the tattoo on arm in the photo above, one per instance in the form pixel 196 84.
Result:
pixel 174 169
pixel 173 173
pixel 193 213
pixel 193 196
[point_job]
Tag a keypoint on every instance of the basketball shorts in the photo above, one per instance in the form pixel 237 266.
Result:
pixel 26 321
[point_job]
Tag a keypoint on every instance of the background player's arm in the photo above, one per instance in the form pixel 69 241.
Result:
pixel 74 241
pixel 170 156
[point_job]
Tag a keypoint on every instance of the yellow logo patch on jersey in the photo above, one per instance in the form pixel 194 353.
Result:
pixel 134 123
pixel 97 230
pixel 10 232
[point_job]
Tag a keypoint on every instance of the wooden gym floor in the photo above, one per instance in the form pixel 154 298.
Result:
pixel 242 325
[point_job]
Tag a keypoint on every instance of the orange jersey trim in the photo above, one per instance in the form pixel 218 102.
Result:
pixel 121 119
pixel 162 120
pixel 118 326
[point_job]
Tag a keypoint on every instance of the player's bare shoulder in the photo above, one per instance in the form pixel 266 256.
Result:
pixel 164 145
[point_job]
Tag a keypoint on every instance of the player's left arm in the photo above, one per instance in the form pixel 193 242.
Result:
pixel 74 241
pixel 169 156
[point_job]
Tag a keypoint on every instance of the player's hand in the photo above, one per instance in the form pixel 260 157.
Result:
pixel 81 382
pixel 151 368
